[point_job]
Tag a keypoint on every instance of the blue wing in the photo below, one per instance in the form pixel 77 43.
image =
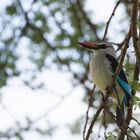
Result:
pixel 121 79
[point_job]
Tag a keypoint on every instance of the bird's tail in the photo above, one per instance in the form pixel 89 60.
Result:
pixel 120 114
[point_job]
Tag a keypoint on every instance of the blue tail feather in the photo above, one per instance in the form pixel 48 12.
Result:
pixel 126 88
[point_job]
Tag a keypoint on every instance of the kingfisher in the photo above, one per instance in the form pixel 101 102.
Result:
pixel 103 65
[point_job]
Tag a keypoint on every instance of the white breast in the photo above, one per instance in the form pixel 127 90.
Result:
pixel 100 72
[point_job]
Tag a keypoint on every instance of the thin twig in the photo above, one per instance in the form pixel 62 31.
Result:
pixel 58 23
pixel 31 123
pixel 138 138
pixel 108 22
pixel 23 11
pixel 126 45
pixel 101 107
pixel 94 120
pixel 77 17
pixel 86 18
pixel 87 112
pixel 55 106
pixel 136 121
pixel 114 118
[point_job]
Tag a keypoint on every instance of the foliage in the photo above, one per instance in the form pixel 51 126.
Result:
pixel 110 136
pixel 75 128
pixel 53 29
pixel 136 101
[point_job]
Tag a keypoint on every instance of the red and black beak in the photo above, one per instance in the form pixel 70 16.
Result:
pixel 89 45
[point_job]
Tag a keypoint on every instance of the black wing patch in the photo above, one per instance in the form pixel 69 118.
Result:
pixel 114 64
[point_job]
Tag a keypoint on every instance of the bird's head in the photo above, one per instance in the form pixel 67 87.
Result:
pixel 104 47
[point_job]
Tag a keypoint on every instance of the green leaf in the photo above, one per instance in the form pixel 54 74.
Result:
pixel 18 135
pixel 111 136
pixel 76 127
pixel 11 10
pixel 136 102
pixel 37 38
pixel 40 17
pixel 135 85
pixel 129 69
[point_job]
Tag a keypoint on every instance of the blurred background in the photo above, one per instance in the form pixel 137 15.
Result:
pixel 44 74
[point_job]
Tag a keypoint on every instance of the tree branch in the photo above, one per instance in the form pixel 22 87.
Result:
pixel 114 118
pixel 102 106
pixel 138 138
pixel 136 121
pixel 126 45
pixel 108 22
pixel 137 65
pixel 24 13
pixel 91 25
pixel 134 30
pixel 77 18
pixel 87 112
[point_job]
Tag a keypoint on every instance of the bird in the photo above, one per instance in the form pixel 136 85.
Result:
pixel 103 65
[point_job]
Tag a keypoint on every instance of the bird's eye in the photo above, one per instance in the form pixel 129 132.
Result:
pixel 103 46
